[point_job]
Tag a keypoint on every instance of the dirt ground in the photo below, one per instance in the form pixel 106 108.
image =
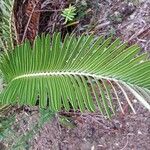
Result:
pixel 130 132
pixel 129 20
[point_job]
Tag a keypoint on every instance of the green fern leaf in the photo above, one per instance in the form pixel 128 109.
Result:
pixel 8 33
pixel 80 73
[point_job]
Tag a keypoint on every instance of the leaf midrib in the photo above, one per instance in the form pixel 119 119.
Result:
pixel 63 73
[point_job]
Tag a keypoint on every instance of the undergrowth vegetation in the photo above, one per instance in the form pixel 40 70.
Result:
pixel 10 125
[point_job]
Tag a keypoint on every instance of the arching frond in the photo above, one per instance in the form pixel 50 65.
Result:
pixel 80 73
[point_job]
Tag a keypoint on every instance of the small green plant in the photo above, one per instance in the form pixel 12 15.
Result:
pixel 10 125
pixel 5 125
pixel 22 142
pixel 117 17
pixel 69 13
pixel 82 7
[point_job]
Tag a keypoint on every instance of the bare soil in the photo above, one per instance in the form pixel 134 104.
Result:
pixel 93 132
pixel 130 21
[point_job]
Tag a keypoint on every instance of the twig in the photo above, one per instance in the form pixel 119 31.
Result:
pixel 138 33
pixel 77 113
pixel 127 140
pixel 102 25
pixel 46 10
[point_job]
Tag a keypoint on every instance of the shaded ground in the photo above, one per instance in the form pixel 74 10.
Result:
pixel 129 20
pixel 96 133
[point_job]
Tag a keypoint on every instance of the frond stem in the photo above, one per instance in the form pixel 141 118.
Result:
pixel 63 73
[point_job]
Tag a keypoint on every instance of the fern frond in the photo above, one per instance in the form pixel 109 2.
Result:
pixel 7 26
pixel 80 73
